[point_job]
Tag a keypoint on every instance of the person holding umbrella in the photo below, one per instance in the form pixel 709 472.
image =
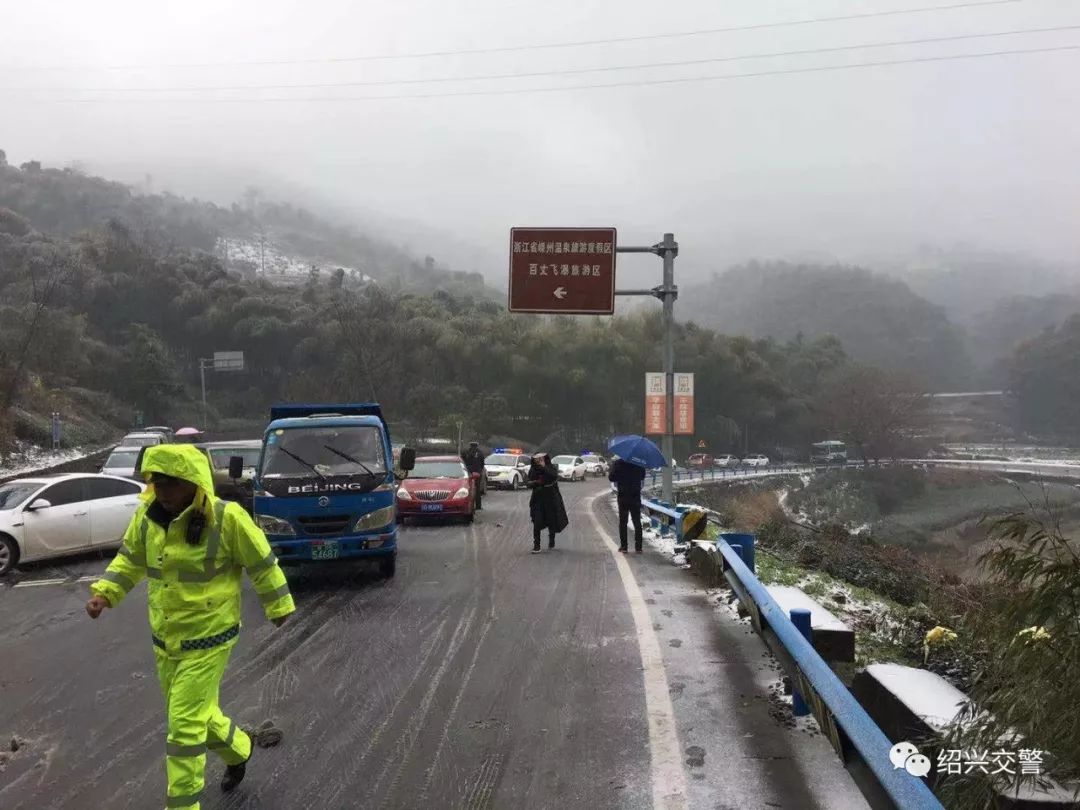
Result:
pixel 633 455
pixel 546 506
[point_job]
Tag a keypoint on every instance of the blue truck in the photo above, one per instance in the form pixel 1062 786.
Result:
pixel 325 488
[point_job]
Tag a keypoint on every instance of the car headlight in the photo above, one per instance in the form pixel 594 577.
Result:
pixel 274 525
pixel 404 494
pixel 375 520
pixel 462 493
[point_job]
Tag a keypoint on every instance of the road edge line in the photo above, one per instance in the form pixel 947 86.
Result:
pixel 668 776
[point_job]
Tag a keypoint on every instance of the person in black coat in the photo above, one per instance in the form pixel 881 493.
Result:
pixel 545 504
pixel 628 479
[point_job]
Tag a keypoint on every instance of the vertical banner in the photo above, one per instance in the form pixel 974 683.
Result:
pixel 684 404
pixel 655 404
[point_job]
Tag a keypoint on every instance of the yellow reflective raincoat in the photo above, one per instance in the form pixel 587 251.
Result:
pixel 194 599
pixel 194 590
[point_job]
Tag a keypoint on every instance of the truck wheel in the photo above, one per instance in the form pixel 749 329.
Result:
pixel 9 554
pixel 388 566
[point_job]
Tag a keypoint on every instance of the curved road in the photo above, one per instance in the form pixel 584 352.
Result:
pixel 480 677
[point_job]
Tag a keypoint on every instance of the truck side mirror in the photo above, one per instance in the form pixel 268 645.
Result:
pixel 408 459
pixel 236 467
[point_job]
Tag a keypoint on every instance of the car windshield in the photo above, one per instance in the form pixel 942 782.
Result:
pixel 142 441
pixel 438 469
pixel 499 460
pixel 319 452
pixel 220 456
pixel 123 459
pixel 563 460
pixel 11 495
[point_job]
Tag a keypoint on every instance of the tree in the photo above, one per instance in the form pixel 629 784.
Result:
pixel 872 410
pixel 44 272
pixel 1025 692
pixel 1045 379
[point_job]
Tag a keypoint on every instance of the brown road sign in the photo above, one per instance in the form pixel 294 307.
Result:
pixel 562 270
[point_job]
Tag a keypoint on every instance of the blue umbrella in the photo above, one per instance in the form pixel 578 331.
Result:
pixel 637 450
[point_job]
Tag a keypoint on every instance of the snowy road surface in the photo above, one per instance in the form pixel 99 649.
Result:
pixel 480 677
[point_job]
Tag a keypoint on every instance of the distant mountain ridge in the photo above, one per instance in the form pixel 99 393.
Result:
pixel 63 202
pixel 878 319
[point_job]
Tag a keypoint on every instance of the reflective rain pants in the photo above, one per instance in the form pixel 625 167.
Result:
pixel 196 724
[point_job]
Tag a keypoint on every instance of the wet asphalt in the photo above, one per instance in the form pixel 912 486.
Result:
pixel 481 676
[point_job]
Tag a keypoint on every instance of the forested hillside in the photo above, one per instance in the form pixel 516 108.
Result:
pixel 64 202
pixel 110 317
pixel 877 319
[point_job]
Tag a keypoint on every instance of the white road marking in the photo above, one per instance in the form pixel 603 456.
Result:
pixel 38 582
pixel 668 778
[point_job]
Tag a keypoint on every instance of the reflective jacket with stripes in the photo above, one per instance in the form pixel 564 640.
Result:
pixel 193 590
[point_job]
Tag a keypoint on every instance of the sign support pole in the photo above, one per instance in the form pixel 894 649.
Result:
pixel 667 293
pixel 202 376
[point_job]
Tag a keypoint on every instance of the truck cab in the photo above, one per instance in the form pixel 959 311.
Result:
pixel 325 484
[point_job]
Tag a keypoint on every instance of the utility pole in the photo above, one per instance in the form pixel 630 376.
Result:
pixel 202 377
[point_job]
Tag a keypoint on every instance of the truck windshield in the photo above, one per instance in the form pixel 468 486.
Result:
pixel 321 452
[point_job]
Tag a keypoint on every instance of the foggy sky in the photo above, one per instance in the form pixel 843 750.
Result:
pixel 847 164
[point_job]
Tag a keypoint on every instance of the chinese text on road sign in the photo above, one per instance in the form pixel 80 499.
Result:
pixel 684 404
pixel 655 404
pixel 562 270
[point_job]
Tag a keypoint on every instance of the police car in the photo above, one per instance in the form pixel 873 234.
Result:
pixel 507 468
pixel 594 464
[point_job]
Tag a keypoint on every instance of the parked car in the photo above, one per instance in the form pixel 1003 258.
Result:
pixel 596 465
pixel 123 462
pixel 506 470
pixel 571 468
pixel 726 460
pixel 220 454
pixel 756 460
pixel 699 461
pixel 58 515
pixel 167 432
pixel 142 439
pixel 438 486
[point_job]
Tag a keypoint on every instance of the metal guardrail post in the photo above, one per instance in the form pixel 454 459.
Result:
pixel 800 617
pixel 744 542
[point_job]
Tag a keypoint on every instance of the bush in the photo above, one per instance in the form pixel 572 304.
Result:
pixel 1025 691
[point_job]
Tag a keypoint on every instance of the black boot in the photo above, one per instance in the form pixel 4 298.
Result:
pixel 536 546
pixel 551 541
pixel 234 774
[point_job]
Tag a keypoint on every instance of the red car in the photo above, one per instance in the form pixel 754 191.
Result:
pixel 699 461
pixel 438 486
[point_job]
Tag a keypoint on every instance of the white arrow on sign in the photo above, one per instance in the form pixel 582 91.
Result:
pixel 560 293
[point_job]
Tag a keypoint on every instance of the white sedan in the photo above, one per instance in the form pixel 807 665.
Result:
pixel 756 460
pixel 571 468
pixel 57 515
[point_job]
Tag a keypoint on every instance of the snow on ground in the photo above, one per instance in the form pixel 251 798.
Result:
pixel 276 261
pixel 29 458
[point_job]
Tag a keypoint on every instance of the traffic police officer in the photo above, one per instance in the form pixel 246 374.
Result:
pixel 192 547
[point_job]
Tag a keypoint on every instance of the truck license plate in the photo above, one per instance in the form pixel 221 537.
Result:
pixel 325 551
pixel 431 507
